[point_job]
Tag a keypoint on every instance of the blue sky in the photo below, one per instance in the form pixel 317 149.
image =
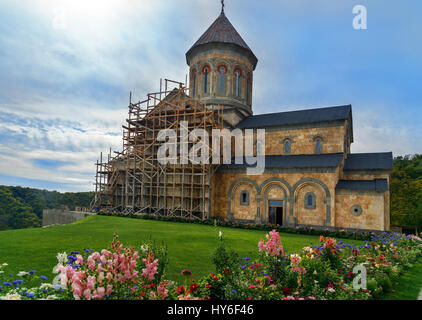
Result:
pixel 67 68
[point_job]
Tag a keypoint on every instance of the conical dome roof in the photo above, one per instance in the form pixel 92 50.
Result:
pixel 222 31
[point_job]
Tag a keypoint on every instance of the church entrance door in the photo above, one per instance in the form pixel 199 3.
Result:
pixel 275 212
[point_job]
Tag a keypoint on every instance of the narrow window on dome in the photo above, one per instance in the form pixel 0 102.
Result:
pixel 237 74
pixel 194 84
pixel 222 79
pixel 205 79
pixel 248 87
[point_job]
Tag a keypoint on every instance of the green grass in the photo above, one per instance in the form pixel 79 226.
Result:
pixel 408 286
pixel 189 245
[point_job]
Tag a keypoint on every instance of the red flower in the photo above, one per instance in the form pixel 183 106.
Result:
pixel 287 291
pixel 249 298
pixel 186 272
pixel 214 276
pixel 193 287
pixel 330 285
pixel 207 286
pixel 181 289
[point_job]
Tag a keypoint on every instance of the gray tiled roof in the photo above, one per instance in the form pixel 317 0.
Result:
pixel 331 160
pixel 221 31
pixel 371 185
pixel 297 117
pixel 369 161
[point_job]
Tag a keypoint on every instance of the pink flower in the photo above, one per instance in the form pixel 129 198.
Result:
pixel 77 290
pixel 273 245
pixel 100 292
pixel 91 263
pixel 63 279
pixel 109 276
pixel 80 259
pixel 109 289
pixel 90 283
pixel 87 294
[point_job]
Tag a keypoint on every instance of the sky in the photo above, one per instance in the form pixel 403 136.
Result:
pixel 67 67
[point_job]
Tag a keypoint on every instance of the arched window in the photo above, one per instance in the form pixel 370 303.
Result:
pixel 244 198
pixel 205 72
pixel 222 70
pixel 310 200
pixel 248 88
pixel 287 146
pixel 193 83
pixel 237 75
pixel 318 145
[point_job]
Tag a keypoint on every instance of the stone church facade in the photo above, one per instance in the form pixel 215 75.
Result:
pixel 311 178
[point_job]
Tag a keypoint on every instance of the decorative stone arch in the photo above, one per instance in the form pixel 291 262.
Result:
pixel 287 138
pixel 274 179
pixel 327 200
pixel 264 189
pixel 232 187
pixel 320 136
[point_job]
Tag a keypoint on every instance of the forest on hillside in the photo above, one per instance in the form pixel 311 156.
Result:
pixel 406 191
pixel 22 207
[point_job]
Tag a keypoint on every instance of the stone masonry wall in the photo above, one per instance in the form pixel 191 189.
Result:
pixel 372 204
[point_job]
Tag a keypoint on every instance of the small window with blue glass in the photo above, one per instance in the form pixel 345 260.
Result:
pixel 310 200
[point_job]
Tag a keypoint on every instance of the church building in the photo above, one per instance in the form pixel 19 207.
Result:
pixel 311 178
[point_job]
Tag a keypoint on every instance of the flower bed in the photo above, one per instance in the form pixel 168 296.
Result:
pixel 330 270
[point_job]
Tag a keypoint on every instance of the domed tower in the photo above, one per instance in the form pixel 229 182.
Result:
pixel 221 70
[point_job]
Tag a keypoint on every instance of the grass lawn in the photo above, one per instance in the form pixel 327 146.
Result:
pixel 408 286
pixel 189 245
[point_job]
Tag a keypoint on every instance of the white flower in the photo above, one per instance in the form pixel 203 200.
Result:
pixel 315 272
pixel 220 234
pixel 331 290
pixel 22 273
pixel 52 297
pixel 14 296
pixel 144 248
pixel 62 258
pixel 1 272
pixel 56 280
pixel 46 286
pixel 4 264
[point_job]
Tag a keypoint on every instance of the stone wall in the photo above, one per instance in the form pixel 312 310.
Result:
pixel 303 140
pixel 370 216
pixel 59 216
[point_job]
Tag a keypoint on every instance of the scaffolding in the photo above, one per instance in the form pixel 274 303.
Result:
pixel 135 181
